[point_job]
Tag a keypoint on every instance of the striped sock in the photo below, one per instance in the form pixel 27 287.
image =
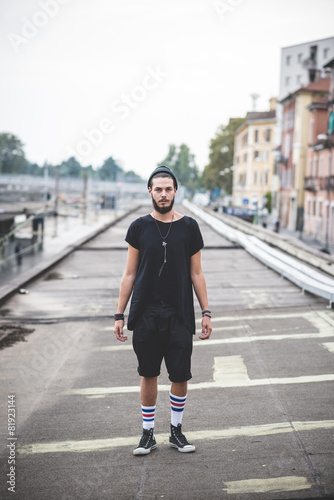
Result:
pixel 148 413
pixel 177 407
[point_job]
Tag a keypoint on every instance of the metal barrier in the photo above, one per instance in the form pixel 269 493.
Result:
pixel 298 273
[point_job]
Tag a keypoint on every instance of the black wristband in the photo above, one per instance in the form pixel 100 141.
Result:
pixel 119 317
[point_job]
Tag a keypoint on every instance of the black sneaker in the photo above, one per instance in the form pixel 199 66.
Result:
pixel 146 444
pixel 179 440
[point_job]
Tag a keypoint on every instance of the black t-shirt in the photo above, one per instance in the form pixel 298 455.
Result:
pixel 174 284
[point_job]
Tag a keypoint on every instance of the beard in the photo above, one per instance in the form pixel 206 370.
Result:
pixel 165 209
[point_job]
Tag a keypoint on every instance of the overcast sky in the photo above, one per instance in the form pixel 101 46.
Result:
pixel 126 78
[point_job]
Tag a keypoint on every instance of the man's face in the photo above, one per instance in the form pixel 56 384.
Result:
pixel 163 194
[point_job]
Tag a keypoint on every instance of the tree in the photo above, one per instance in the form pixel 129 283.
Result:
pixel 33 169
pixel 221 157
pixel 182 162
pixel 12 158
pixel 131 176
pixel 109 171
pixel 70 168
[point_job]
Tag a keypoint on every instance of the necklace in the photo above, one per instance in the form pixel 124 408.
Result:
pixel 164 242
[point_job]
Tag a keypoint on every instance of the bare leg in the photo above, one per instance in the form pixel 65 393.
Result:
pixel 149 391
pixel 179 389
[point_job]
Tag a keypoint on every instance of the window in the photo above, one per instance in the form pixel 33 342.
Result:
pixel 321 166
pixel 315 166
pixel 287 81
pixel 255 176
pixel 266 177
pixel 326 52
pixel 300 58
pixel 298 79
pixel 267 152
pixel 256 136
pixel 268 134
pixel 288 60
pixel 309 167
pixel 314 208
pixel 313 53
pixel 256 154
pixel 244 140
pixel 320 208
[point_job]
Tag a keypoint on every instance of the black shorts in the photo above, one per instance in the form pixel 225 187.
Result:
pixel 160 333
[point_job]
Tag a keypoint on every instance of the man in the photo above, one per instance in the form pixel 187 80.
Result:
pixel 163 267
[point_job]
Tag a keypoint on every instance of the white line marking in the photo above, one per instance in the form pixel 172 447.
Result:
pixel 269 485
pixel 229 433
pixel 235 340
pixel 329 346
pixel 229 371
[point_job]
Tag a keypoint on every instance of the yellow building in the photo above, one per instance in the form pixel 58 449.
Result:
pixel 253 174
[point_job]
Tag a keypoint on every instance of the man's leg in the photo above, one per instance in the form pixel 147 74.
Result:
pixel 179 389
pixel 148 395
pixel 149 391
pixel 178 397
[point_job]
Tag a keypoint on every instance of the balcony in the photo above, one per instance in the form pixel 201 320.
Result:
pixel 315 184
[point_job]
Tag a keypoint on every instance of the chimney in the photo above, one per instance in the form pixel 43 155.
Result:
pixel 273 104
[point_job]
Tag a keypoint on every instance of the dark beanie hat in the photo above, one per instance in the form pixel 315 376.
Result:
pixel 162 169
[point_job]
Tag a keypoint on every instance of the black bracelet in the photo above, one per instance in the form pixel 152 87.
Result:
pixel 119 317
pixel 206 311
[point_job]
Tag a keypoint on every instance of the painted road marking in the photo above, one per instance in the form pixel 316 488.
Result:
pixel 269 485
pixel 229 371
pixel 329 346
pixel 229 433
pixel 329 332
pixel 315 317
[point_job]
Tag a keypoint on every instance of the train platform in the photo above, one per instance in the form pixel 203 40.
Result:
pixel 260 404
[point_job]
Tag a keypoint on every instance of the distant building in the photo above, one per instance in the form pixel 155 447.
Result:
pixel 253 158
pixel 319 178
pixel 303 64
pixel 294 150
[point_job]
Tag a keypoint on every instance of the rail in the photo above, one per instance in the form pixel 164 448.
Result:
pixel 303 276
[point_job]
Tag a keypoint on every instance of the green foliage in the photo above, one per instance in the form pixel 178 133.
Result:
pixel 70 168
pixel 221 157
pixel 268 203
pixel 182 162
pixel 33 169
pixel 12 158
pixel 109 171
pixel 131 176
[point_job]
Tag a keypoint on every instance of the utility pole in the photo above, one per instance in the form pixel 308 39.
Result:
pixel 55 215
pixel 84 203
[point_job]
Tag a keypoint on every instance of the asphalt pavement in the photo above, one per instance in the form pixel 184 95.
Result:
pixel 260 404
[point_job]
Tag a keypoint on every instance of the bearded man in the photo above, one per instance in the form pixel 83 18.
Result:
pixel 163 267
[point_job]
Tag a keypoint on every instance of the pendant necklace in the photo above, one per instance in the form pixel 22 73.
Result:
pixel 164 242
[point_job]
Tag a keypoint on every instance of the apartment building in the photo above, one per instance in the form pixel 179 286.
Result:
pixel 319 178
pixel 253 158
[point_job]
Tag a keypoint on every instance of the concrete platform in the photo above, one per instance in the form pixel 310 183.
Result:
pixel 260 404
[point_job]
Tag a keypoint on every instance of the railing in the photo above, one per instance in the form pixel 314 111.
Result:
pixel 314 184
